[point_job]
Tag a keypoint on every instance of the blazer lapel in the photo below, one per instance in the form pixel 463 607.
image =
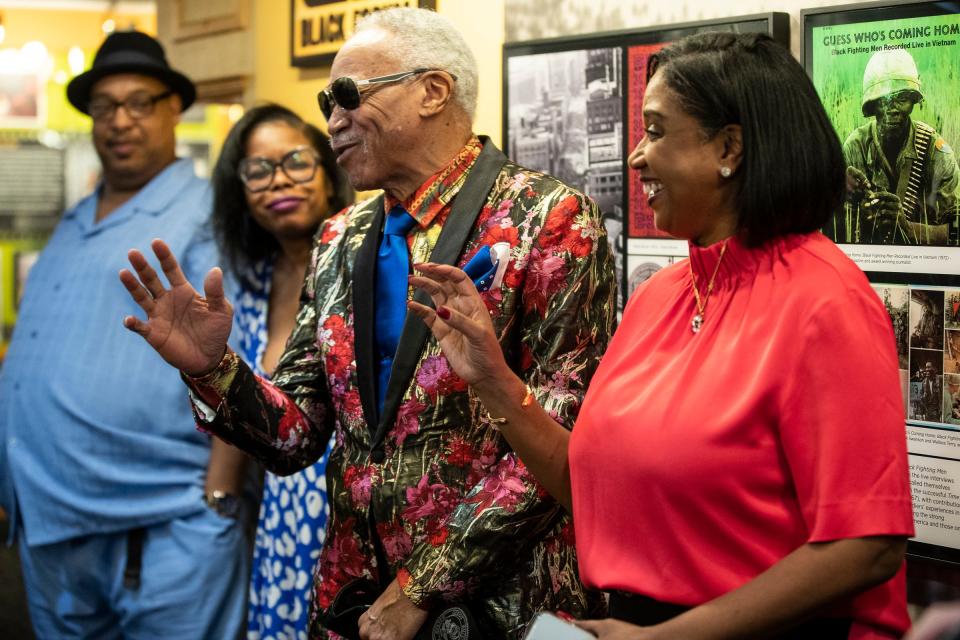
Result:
pixel 364 274
pixel 456 231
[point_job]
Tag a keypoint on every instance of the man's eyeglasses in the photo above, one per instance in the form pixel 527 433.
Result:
pixel 345 91
pixel 137 105
pixel 300 165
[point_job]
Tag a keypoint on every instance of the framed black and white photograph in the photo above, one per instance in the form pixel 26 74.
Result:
pixel 572 110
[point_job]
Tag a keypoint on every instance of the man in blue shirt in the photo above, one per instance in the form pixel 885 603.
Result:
pixel 101 468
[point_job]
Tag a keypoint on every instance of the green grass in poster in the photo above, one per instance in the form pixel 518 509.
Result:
pixel 840 55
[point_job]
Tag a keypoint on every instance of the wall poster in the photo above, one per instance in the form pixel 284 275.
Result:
pixel 572 108
pixel 318 28
pixel 885 73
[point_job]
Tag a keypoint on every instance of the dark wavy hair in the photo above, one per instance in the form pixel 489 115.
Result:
pixel 243 242
pixel 791 178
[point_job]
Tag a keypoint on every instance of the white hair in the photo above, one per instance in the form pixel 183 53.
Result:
pixel 422 38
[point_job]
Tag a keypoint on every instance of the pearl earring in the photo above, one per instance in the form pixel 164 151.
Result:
pixel 725 172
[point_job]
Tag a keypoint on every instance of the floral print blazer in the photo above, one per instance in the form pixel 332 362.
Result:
pixel 431 487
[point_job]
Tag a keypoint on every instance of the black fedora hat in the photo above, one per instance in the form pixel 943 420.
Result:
pixel 129 52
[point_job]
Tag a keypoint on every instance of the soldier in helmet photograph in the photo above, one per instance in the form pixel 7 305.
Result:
pixel 902 176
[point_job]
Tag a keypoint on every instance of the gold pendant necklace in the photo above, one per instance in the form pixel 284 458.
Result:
pixel 697 322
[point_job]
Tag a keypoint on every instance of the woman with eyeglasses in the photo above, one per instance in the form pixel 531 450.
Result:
pixel 276 180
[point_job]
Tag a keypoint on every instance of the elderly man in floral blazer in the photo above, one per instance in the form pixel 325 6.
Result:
pixel 428 500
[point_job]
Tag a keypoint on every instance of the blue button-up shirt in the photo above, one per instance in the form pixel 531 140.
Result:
pixel 96 433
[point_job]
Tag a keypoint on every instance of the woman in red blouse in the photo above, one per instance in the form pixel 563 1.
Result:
pixel 739 467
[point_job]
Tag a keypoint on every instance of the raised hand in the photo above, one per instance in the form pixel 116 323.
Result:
pixel 858 183
pixel 188 331
pixel 461 323
pixel 883 210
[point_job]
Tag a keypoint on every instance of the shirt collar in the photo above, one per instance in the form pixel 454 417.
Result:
pixel 152 198
pixel 435 194
pixel 909 149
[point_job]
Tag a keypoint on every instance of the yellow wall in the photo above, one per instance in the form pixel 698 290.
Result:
pixel 481 23
pixel 276 81
pixel 60 30
pixel 63 28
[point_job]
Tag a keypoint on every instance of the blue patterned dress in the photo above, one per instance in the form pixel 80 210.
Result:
pixel 293 513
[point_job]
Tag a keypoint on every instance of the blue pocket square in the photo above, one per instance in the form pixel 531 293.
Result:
pixel 481 269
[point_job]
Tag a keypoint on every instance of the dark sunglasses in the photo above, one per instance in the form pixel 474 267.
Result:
pixel 300 165
pixel 345 92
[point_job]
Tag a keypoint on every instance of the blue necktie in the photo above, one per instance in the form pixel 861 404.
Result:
pixel 393 267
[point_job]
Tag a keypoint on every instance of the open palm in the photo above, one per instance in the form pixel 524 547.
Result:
pixel 466 335
pixel 188 331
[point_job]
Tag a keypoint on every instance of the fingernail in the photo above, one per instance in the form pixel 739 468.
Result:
pixel 444 313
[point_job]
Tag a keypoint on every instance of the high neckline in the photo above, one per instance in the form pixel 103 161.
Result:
pixel 739 260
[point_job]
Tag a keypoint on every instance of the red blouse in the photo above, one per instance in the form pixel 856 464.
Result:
pixel 700 460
